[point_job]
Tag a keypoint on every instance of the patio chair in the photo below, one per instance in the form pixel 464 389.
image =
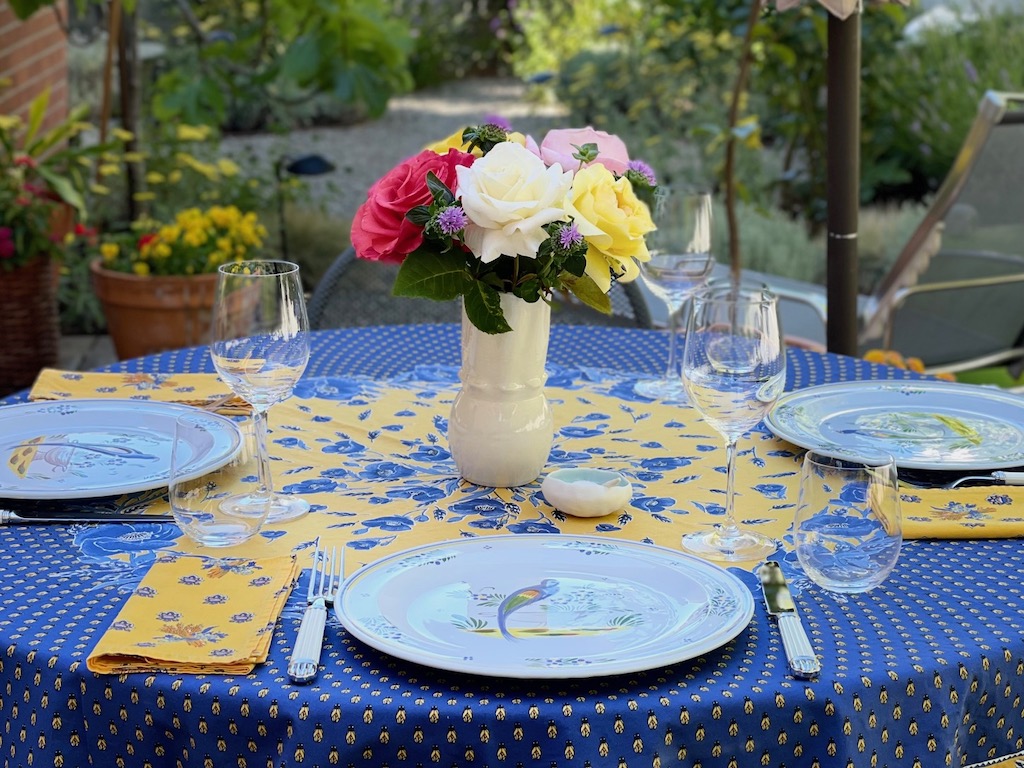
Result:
pixel 954 296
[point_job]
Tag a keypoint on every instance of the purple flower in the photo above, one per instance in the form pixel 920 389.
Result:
pixel 970 71
pixel 569 237
pixel 499 121
pixel 639 166
pixel 451 220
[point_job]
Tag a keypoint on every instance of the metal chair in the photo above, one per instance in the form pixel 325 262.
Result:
pixel 954 297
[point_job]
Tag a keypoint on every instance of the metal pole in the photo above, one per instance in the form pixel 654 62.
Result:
pixel 843 189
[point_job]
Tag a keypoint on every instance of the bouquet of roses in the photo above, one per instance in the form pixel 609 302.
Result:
pixel 488 211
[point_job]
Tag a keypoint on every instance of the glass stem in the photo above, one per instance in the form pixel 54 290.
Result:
pixel 672 372
pixel 259 425
pixel 730 528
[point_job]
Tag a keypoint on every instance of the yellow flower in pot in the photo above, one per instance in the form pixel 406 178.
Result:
pixel 156 284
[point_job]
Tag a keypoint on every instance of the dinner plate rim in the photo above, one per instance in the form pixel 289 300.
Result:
pixel 976 392
pixel 738 622
pixel 158 480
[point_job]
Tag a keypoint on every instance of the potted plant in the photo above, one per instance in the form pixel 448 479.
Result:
pixel 156 283
pixel 43 178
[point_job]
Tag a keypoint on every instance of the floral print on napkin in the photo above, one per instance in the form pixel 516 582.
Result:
pixel 197 615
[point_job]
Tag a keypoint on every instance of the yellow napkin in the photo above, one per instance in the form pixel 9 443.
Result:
pixel 199 389
pixel 198 615
pixel 981 512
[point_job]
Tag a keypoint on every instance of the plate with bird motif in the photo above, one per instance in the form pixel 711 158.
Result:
pixel 921 424
pixel 77 449
pixel 544 606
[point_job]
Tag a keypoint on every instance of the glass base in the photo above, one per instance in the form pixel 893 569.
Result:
pixel 662 389
pixel 284 508
pixel 730 545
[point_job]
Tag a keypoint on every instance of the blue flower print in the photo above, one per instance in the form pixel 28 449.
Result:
pixel 623 390
pixel 168 616
pixel 429 454
pixel 771 490
pixel 424 494
pixel 312 485
pixel 145 592
pixel 260 581
pixel 100 542
pixel 365 544
pixel 560 456
pixel 484 507
pixel 488 523
pixel 190 581
pixel 653 504
pixel 390 523
pixel 216 599
pixel 328 388
pixel 241 618
pixel 854 494
pixel 999 499
pixel 386 470
pixel 665 463
pixel 335 473
pixel 344 447
pixel 291 442
pixel 578 432
pixel 533 526
pixel 845 526
pixel 910 498
pixel 221 652
pixel 122 626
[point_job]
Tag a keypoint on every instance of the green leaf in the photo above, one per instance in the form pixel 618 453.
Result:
pixel 586 290
pixel 483 308
pixel 301 61
pixel 440 192
pixel 63 187
pixel 429 275
pixel 419 215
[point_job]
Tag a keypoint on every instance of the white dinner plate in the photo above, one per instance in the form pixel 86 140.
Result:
pixel 922 424
pixel 75 449
pixel 544 606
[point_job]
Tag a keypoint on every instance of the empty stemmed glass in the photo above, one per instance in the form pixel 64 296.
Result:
pixel 734 369
pixel 680 263
pixel 260 347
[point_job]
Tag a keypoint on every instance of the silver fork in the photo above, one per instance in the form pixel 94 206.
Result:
pixel 324 582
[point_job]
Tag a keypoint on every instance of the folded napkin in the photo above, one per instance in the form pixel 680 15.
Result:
pixel 198 615
pixel 199 389
pixel 981 512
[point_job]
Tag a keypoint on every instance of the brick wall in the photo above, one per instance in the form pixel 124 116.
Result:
pixel 33 56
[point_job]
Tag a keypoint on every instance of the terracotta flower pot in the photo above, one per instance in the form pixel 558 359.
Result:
pixel 146 315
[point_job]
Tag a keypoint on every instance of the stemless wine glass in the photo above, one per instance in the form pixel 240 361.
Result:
pixel 680 263
pixel 260 346
pixel 848 527
pixel 734 369
pixel 217 507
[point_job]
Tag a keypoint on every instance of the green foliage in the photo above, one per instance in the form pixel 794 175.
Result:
pixel 243 67
pixel 457 38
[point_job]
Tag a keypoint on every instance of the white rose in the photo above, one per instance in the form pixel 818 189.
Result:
pixel 508 196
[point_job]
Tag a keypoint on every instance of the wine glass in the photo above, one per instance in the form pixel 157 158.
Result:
pixel 734 369
pixel 847 526
pixel 260 346
pixel 680 263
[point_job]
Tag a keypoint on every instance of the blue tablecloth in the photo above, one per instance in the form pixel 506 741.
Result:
pixel 926 671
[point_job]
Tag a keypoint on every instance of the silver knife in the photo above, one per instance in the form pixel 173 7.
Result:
pixel 799 652
pixel 9 517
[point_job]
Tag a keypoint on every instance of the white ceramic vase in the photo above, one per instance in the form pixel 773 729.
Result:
pixel 501 429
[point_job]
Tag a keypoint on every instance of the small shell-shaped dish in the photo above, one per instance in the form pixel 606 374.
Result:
pixel 586 492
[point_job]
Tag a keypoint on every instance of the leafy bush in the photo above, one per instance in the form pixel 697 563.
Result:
pixel 248 66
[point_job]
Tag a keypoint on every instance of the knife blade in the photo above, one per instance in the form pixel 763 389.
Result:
pixel 9 517
pixel 799 651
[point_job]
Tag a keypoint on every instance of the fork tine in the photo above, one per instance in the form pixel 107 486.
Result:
pixel 311 590
pixel 332 588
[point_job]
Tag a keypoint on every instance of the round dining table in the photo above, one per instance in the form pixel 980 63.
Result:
pixel 926 670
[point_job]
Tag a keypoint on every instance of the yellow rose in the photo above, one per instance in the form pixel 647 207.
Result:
pixel 613 221
pixel 452 142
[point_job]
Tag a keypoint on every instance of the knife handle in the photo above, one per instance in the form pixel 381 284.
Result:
pixel 799 651
pixel 305 661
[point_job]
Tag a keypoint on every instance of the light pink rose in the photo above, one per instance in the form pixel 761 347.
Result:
pixel 559 145
pixel 380 231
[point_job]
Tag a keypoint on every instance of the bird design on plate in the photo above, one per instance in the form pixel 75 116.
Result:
pixel 520 599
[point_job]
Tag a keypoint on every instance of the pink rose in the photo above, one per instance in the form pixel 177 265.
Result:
pixel 559 145
pixel 380 231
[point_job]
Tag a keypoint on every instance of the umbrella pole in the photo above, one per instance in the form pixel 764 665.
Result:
pixel 843 188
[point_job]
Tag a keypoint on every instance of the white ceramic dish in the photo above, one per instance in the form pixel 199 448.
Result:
pixel 544 606
pixel 584 492
pixel 74 449
pixel 922 424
